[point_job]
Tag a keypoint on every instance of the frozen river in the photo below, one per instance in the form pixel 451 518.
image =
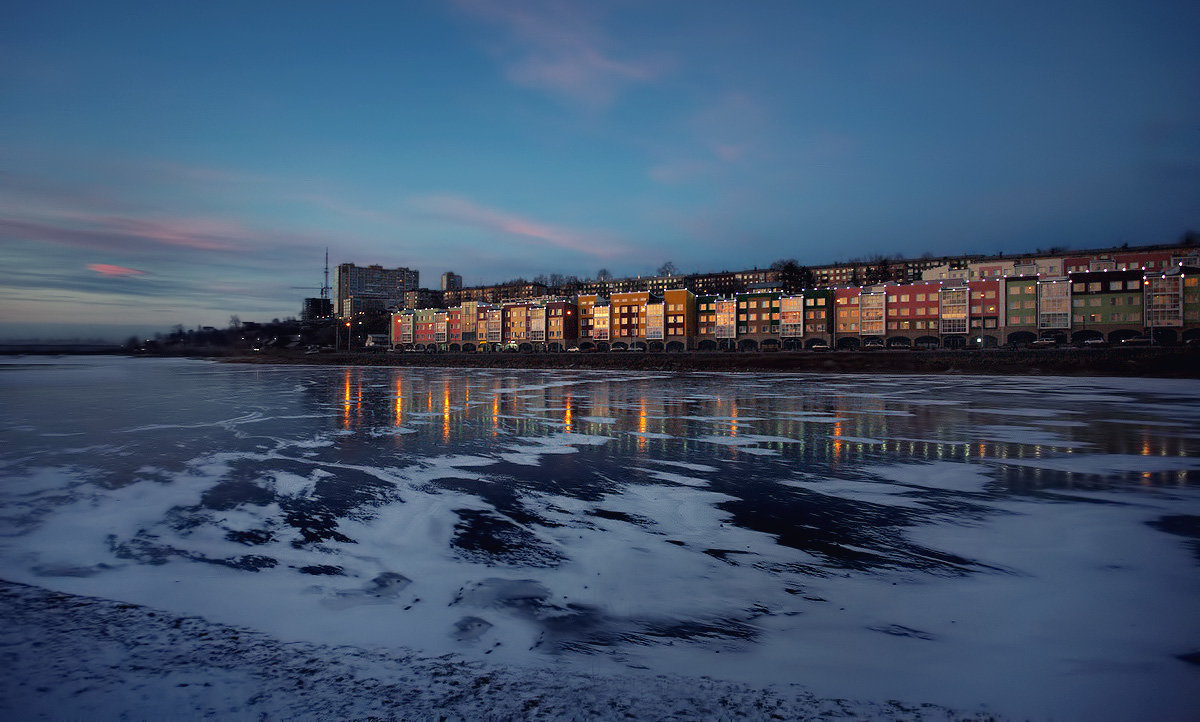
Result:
pixel 1024 545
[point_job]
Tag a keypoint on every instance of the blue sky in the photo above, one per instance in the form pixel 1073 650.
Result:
pixel 170 163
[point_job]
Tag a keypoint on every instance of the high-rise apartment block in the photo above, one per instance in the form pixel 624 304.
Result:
pixel 451 281
pixel 373 286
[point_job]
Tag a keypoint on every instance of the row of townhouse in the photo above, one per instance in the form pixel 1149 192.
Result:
pixel 361 290
pixel 1106 305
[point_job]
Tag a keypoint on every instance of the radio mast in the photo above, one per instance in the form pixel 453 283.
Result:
pixel 325 287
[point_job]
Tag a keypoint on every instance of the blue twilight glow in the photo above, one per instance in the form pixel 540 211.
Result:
pixel 181 162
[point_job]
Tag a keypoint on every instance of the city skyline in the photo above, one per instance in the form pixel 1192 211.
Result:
pixel 182 164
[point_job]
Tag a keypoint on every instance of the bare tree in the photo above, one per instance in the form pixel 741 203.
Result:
pixel 603 275
pixel 667 269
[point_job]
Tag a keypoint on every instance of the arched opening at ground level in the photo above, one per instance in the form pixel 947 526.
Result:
pixel 770 344
pixel 954 342
pixel 656 346
pixel 747 344
pixel 602 346
pixel 727 344
pixel 927 342
pixel 903 342
pixel 988 341
pixel 1121 334
pixel 638 345
pixel 619 346
pixel 792 344
pixel 676 346
pixel 815 342
pixel 554 346
pixel 1192 335
pixel 848 343
pixel 1021 338
pixel 1090 334
pixel 455 348
pixel 707 345
pixel 525 347
pixel 587 346
pixel 1164 336
pixel 1055 335
pixel 468 348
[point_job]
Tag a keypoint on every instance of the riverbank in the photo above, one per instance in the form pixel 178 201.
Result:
pixel 1150 362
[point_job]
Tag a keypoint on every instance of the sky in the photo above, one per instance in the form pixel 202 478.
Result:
pixel 181 163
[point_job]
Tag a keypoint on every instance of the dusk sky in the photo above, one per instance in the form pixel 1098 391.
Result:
pixel 182 162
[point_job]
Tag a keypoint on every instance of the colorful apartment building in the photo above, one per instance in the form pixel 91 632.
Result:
pixel 1105 302
pixel 914 314
pixel 1103 297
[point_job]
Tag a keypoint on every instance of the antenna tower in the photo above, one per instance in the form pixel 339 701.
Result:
pixel 325 287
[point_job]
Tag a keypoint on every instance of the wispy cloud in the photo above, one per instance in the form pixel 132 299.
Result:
pixel 561 49
pixel 111 271
pixel 468 213
pixel 727 131
pixel 118 234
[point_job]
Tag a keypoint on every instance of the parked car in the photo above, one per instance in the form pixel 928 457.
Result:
pixel 819 346
pixel 873 346
pixel 1136 341
pixel 1044 343
pixel 1094 343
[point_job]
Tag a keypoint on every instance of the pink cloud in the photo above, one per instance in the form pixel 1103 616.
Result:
pixel 118 233
pixel 466 212
pixel 558 48
pixel 111 271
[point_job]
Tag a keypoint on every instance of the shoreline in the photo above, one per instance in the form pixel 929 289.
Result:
pixel 1120 362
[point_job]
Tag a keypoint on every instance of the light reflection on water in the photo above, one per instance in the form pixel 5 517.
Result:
pixel 817 420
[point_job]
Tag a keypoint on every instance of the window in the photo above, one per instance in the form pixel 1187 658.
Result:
pixel 933 297
pixel 891 299
pixel 920 297
pixel 1095 286
pixel 904 298
pixel 1135 285
pixel 1079 288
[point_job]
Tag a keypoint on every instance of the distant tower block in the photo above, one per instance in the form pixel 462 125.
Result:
pixel 451 281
